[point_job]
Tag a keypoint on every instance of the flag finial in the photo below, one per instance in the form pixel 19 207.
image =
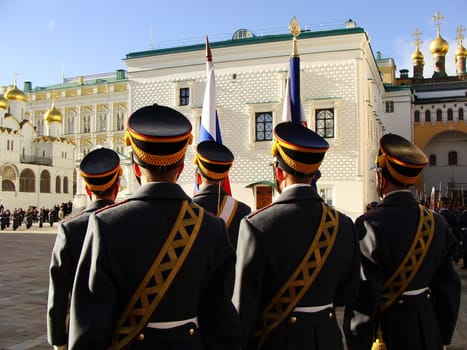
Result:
pixel 208 50
pixel 294 28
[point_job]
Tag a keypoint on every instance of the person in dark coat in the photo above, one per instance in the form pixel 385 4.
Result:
pixel 156 270
pixel 463 237
pixel 214 161
pixel 297 230
pixel 101 171
pixel 415 303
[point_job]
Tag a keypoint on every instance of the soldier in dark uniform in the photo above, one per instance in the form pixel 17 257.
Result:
pixel 156 270
pixel 412 298
pixel 214 161
pixel 463 235
pixel 297 259
pixel 101 171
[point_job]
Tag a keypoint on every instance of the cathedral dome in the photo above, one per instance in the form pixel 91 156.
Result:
pixel 461 51
pixel 13 93
pixel 439 46
pixel 417 55
pixel 3 102
pixel 53 115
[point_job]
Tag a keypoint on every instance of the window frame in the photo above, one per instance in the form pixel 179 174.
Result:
pixel 184 99
pixel 266 123
pixel 331 111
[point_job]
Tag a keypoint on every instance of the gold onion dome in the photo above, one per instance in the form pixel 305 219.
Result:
pixel 53 115
pixel 439 45
pixel 13 93
pixel 461 51
pixel 3 102
pixel 417 55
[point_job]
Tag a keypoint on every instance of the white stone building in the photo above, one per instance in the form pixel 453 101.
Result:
pixel 35 169
pixel 93 112
pixel 342 95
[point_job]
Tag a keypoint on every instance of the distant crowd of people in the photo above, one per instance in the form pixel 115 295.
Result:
pixel 18 216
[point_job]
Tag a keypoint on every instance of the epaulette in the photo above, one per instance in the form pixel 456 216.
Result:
pixel 116 204
pixel 260 210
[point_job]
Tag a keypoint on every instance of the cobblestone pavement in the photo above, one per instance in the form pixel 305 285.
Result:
pixel 24 260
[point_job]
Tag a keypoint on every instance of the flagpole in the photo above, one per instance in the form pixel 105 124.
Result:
pixel 294 74
pixel 209 128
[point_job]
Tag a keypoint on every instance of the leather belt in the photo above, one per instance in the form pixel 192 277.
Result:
pixel 312 309
pixel 415 291
pixel 172 324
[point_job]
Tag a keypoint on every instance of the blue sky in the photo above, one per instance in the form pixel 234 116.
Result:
pixel 42 39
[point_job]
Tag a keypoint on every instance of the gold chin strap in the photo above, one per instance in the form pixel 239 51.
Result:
pixel 99 188
pixel 154 159
pixel 383 162
pixel 298 166
pixel 211 174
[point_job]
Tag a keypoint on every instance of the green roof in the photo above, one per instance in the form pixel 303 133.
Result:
pixel 244 41
pixel 107 79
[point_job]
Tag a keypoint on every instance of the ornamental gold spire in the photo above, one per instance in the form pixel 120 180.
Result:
pixel 438 18
pixel 294 28
pixel 460 34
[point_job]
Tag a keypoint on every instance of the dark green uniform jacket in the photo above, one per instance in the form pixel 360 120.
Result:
pixel 121 244
pixel 209 198
pixel 272 243
pixel 65 256
pixel 425 320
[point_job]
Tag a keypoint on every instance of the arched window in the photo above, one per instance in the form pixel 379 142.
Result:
pixel 417 117
pixel 26 181
pixel 8 179
pixel 45 182
pixel 461 114
pixel 439 115
pixel 450 114
pixel 65 184
pixel 58 185
pixel 452 158
pixel 432 160
pixel 427 116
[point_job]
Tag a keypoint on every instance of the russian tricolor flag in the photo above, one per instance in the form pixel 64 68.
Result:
pixel 209 128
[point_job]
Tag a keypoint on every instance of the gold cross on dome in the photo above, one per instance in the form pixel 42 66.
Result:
pixel 438 18
pixel 417 34
pixel 460 33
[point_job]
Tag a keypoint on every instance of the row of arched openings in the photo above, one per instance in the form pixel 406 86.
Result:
pixel 27 181
pixel 452 159
pixel 439 115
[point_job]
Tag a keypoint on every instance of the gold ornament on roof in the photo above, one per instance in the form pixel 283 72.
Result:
pixel 13 93
pixel 460 51
pixel 439 45
pixel 417 55
pixel 3 103
pixel 294 28
pixel 53 115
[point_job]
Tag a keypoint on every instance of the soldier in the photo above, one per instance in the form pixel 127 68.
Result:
pixel 156 270
pixel 101 171
pixel 409 292
pixel 213 161
pixel 298 258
